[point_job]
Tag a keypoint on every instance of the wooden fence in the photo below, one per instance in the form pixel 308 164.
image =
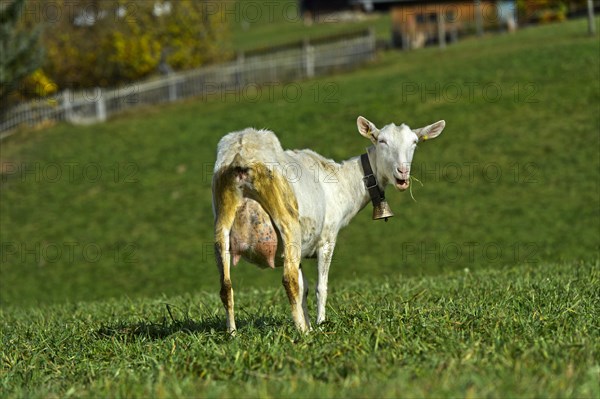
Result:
pixel 287 63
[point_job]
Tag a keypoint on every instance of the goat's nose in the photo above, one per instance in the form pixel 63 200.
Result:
pixel 402 171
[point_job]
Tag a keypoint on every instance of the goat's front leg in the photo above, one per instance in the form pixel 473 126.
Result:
pixel 305 298
pixel 324 256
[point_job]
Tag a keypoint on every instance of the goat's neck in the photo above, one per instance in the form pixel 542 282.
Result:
pixel 381 179
pixel 355 194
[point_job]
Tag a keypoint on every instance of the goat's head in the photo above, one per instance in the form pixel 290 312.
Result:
pixel 394 147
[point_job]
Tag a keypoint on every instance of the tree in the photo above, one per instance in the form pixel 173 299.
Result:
pixel 20 52
pixel 111 42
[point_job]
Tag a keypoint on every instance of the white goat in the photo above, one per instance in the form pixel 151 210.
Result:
pixel 273 207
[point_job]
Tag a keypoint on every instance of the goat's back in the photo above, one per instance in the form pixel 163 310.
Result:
pixel 251 145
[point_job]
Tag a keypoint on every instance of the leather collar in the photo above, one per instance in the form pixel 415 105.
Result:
pixel 371 184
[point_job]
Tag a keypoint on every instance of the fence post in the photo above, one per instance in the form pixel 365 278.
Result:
pixel 441 19
pixel 172 82
pixel 308 56
pixel 239 75
pixel 405 40
pixel 67 105
pixel 372 43
pixel 478 18
pixel 591 20
pixel 100 106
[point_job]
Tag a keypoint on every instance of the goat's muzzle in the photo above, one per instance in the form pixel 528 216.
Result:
pixel 402 184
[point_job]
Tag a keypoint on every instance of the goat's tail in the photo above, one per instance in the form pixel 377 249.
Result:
pixel 238 162
pixel 233 177
pixel 227 184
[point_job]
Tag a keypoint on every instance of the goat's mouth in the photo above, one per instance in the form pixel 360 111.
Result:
pixel 402 184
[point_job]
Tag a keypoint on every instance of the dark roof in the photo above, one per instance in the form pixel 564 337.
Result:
pixel 335 5
pixel 387 4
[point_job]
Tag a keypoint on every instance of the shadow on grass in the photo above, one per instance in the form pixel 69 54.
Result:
pixel 169 326
pixel 157 330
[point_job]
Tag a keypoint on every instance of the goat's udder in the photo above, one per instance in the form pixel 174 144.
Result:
pixel 253 236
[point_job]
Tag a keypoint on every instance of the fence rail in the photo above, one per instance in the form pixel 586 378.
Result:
pixel 305 59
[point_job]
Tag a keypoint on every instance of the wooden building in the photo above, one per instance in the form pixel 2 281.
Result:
pixel 418 23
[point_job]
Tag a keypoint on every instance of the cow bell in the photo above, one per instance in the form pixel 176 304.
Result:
pixel 382 211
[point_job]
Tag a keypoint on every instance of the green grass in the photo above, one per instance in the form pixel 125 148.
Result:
pixel 88 262
pixel 144 227
pixel 262 23
pixel 523 332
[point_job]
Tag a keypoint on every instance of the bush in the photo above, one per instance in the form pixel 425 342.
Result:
pixel 20 51
pixel 107 43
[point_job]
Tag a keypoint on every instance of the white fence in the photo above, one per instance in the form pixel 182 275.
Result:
pixel 286 63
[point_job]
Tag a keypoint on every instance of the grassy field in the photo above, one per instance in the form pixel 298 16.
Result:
pixel 520 332
pixel 102 225
pixel 263 23
pixel 124 208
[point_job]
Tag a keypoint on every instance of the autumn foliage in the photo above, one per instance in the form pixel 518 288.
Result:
pixel 106 43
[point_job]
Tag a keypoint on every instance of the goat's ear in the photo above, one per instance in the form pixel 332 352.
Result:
pixel 367 129
pixel 431 131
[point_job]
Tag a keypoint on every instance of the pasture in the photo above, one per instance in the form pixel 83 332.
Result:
pixel 486 285
pixel 519 332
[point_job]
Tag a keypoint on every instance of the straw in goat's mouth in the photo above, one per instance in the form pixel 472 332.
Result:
pixel 410 187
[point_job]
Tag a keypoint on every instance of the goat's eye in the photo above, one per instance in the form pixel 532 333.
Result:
pixel 382 141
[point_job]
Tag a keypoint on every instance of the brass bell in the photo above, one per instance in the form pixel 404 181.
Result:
pixel 382 211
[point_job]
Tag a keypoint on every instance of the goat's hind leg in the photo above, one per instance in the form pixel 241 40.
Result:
pixel 276 196
pixel 293 278
pixel 226 200
pixel 226 293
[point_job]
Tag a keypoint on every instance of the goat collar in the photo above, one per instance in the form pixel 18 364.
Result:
pixel 381 209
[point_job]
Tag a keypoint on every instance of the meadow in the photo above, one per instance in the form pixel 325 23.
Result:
pixel 519 332
pixel 263 23
pixel 486 285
